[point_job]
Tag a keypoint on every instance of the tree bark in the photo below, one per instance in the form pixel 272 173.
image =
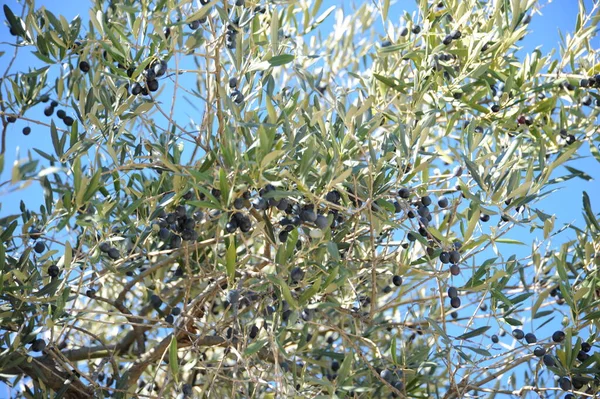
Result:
pixel 45 370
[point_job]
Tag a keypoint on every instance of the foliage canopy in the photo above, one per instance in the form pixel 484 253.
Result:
pixel 238 202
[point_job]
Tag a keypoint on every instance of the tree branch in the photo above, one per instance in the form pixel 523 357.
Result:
pixel 464 383
pixel 44 369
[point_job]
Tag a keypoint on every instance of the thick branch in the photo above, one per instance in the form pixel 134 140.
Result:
pixel 153 355
pixel 44 369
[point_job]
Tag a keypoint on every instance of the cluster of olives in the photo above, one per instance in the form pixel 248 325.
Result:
pixel 239 220
pixel 394 377
pixel 49 110
pixel 230 35
pixel 154 70
pixel 564 382
pixel 530 338
pixel 157 302
pixel 297 214
pixel 451 256
pixel 416 29
pixel 194 25
pixel 109 381
pixel 566 137
pixel 525 120
pixel 235 94
pixel 593 81
pixel 177 226
pixel 64 117
pixel 455 35
pixel 454 298
pixel 445 62
pixel 576 381
pixel 556 293
pixel 39 246
pixel 422 211
pixel 112 252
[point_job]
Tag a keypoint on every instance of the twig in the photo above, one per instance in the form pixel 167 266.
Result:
pixel 2 106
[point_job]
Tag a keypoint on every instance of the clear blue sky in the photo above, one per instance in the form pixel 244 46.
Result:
pixel 558 15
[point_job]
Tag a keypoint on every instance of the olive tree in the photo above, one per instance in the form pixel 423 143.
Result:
pixel 244 199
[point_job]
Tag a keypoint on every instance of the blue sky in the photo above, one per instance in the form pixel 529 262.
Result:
pixel 557 15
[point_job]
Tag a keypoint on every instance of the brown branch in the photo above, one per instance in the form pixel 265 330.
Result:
pixel 183 341
pixel 465 385
pixel 170 259
pixel 44 369
pixel 185 338
pixel 133 320
pixel 133 374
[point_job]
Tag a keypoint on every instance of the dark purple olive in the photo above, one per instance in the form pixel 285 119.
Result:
pixel 586 347
pixel 84 66
pixel 558 336
pixel 565 383
pixel 518 333
pixel 452 292
pixel 38 345
pixel 152 85
pixel 454 257
pixel 530 338
pixel 455 302
pixel 113 253
pixel 455 270
pixel 39 247
pixel 539 351
pixel 53 271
